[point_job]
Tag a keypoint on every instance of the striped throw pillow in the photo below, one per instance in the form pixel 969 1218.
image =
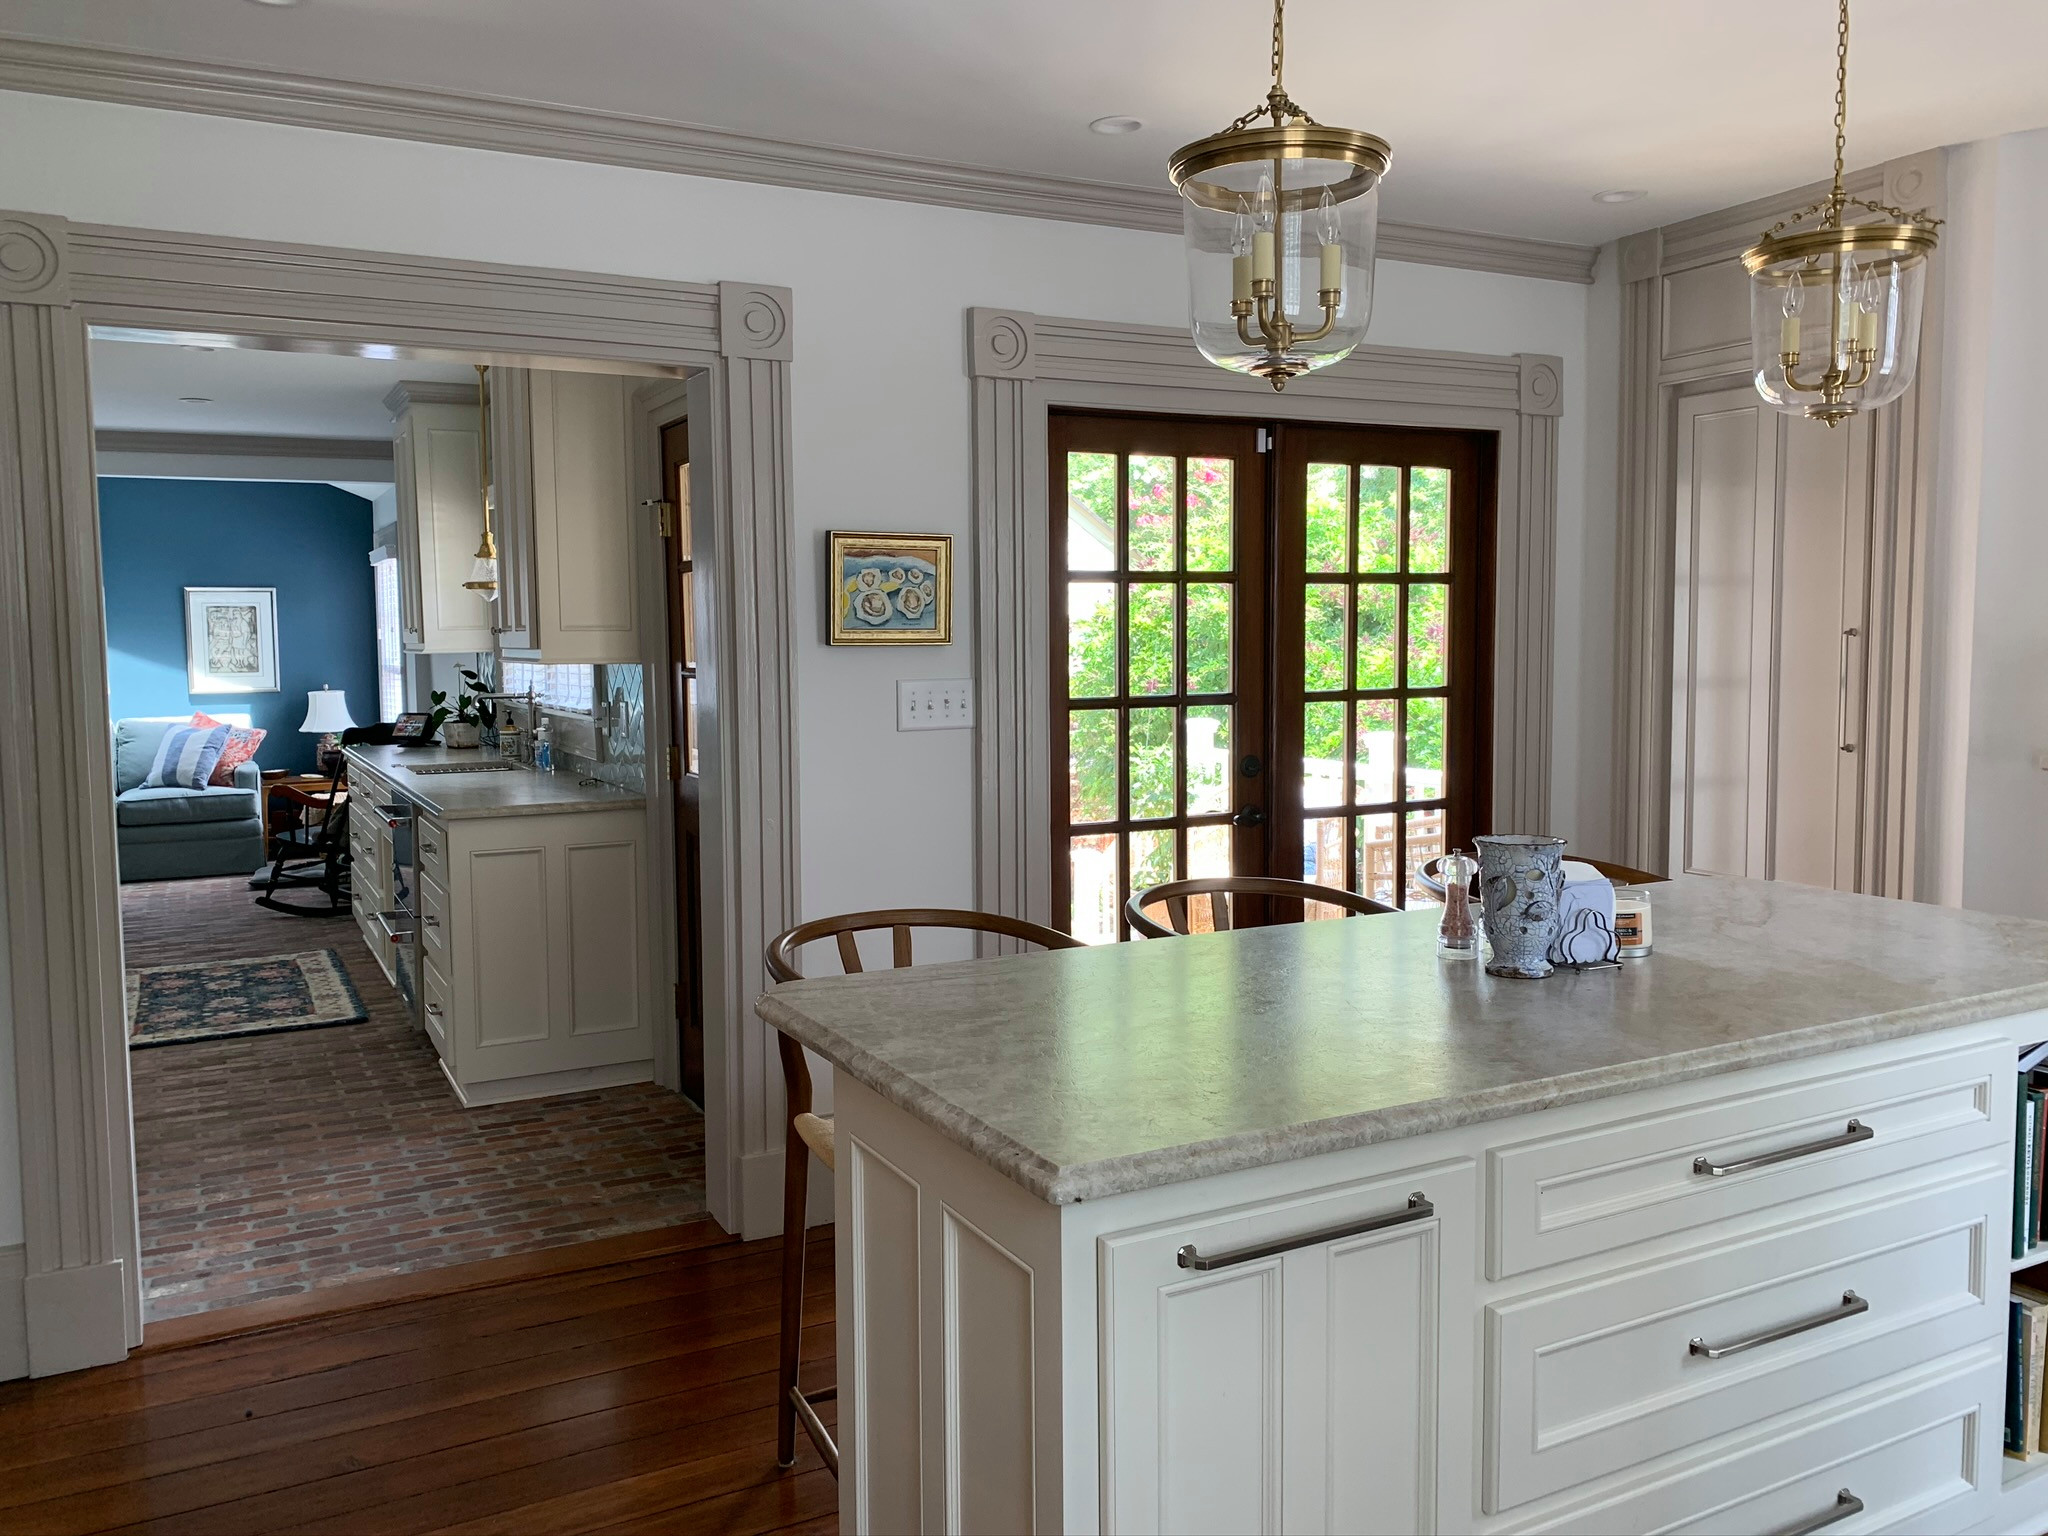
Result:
pixel 185 757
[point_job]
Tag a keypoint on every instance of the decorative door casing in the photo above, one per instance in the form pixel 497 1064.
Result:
pixel 62 921
pixel 1023 365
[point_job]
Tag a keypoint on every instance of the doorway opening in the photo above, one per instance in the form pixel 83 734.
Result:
pixel 684 758
pixel 319 1089
pixel 1272 654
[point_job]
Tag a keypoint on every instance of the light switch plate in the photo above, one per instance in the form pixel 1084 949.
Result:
pixel 935 704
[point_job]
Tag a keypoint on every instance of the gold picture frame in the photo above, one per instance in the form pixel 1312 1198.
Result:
pixel 890 588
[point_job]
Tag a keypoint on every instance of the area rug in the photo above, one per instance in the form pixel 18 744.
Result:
pixel 222 999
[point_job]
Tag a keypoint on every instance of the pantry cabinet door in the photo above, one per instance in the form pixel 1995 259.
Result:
pixel 1300 1391
pixel 583 518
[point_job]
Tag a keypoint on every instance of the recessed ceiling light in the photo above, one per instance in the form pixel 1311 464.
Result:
pixel 195 399
pixel 1629 196
pixel 1115 125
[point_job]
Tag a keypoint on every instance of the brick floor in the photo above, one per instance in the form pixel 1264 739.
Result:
pixel 277 1164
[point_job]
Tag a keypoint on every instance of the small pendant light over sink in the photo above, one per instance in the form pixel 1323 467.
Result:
pixel 1280 220
pixel 1834 307
pixel 483 570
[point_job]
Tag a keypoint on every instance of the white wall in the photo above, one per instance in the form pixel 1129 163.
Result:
pixel 881 401
pixel 1990 827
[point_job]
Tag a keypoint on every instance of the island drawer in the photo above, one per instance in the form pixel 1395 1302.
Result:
pixel 435 1007
pixel 1589 1378
pixel 1927 1444
pixel 1587 1191
pixel 433 916
pixel 430 843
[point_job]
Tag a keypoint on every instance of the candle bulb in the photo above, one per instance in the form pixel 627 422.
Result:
pixel 1788 335
pixel 1866 330
pixel 1241 278
pixel 1333 268
pixel 1262 256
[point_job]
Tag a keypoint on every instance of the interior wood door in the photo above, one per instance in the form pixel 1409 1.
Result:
pixel 683 755
pixel 1770 583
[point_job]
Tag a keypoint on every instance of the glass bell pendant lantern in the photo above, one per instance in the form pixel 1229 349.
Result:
pixel 1834 306
pixel 1280 220
pixel 483 570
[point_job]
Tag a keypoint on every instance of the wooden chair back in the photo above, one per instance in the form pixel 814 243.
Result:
pixel 1223 891
pixel 1430 872
pixel 785 950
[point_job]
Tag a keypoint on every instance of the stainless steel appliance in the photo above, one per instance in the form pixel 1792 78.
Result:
pixel 401 923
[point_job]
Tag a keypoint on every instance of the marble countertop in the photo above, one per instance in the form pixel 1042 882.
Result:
pixel 1087 1073
pixel 521 791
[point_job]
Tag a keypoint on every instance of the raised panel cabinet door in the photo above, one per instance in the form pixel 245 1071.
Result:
pixel 405 473
pixel 1298 1390
pixel 505 951
pixel 607 959
pixel 446 449
pixel 583 519
pixel 512 506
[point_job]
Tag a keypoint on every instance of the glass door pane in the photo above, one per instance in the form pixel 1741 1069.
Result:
pixel 1159 606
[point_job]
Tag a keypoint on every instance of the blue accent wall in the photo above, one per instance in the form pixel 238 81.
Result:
pixel 311 542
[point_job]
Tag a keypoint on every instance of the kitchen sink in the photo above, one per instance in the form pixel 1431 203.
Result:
pixel 466 768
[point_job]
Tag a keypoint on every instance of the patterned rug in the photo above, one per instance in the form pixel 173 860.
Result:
pixel 218 999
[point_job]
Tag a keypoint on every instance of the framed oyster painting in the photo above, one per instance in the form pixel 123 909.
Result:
pixel 231 640
pixel 891 588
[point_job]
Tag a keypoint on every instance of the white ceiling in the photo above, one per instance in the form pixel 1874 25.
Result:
pixel 1505 115
pixel 137 386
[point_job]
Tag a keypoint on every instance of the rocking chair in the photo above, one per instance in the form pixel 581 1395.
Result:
pixel 313 856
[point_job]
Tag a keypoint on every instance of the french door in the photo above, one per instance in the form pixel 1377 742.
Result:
pixel 1271 655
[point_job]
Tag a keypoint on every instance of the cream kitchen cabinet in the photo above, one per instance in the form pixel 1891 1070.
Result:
pixel 565 515
pixel 436 459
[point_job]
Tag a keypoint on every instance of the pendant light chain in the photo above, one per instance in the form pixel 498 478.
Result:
pixel 1279 42
pixel 1835 198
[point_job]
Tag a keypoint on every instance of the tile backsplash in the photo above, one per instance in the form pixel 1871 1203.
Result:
pixel 609 743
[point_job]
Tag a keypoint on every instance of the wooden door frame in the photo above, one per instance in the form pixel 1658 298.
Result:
pixel 1022 366
pixel 81 1291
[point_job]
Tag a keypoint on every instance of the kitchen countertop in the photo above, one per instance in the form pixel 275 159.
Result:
pixel 1087 1073
pixel 521 791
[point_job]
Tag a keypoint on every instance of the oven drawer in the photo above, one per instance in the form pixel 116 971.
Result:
pixel 1589 1378
pixel 1927 1444
pixel 1584 1192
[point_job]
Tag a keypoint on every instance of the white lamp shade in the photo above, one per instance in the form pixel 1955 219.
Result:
pixel 327 711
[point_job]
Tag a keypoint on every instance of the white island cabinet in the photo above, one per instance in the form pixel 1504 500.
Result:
pixel 1304 1229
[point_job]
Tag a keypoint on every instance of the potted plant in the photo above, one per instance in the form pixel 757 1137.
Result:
pixel 463 724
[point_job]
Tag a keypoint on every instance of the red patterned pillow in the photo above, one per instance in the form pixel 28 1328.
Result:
pixel 242 745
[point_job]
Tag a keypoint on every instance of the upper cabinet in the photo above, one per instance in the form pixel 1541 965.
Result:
pixel 436 452
pixel 565 515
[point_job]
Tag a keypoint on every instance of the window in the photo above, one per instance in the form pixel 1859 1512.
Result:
pixel 390 652
pixel 569 688
pixel 1265 662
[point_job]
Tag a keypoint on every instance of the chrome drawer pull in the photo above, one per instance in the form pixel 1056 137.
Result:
pixel 1856 1132
pixel 434 1009
pixel 1417 1209
pixel 1845 1505
pixel 1852 1305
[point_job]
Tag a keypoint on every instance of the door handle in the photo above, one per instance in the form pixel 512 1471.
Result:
pixel 1845 1505
pixel 1852 1305
pixel 1842 694
pixel 1418 1208
pixel 1250 816
pixel 1856 1131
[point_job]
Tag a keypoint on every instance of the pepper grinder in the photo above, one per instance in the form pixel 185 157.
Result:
pixel 1457 935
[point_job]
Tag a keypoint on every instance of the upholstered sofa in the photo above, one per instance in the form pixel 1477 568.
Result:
pixel 180 834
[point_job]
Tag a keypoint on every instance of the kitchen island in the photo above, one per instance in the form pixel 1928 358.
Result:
pixel 508 905
pixel 1307 1228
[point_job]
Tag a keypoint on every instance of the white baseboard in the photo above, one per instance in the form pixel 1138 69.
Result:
pixel 76 1318
pixel 510 1090
pixel 761 1195
pixel 13 1313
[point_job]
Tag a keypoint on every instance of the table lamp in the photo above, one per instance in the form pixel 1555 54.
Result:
pixel 327 713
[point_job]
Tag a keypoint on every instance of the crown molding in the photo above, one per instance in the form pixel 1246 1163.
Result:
pixel 610 138
pixel 407 393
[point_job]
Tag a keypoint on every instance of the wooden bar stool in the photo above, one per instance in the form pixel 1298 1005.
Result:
pixel 1223 891
pixel 811 1135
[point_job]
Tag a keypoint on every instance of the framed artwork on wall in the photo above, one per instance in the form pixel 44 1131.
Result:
pixel 231 639
pixel 891 588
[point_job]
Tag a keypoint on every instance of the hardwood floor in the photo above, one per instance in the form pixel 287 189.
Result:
pixel 633 1396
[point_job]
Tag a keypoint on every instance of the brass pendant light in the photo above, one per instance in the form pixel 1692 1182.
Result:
pixel 483 570
pixel 1280 220
pixel 1835 306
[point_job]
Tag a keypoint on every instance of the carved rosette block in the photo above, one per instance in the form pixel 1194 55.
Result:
pixel 753 321
pixel 1542 384
pixel 1002 344
pixel 34 259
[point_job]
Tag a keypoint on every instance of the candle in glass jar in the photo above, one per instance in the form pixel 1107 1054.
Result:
pixel 1632 922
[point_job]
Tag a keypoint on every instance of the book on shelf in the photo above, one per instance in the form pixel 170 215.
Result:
pixel 2028 1154
pixel 2015 1381
pixel 2033 1306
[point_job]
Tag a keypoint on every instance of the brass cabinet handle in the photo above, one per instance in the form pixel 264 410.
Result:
pixel 1852 1306
pixel 1857 1131
pixel 1845 1505
pixel 1417 1209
